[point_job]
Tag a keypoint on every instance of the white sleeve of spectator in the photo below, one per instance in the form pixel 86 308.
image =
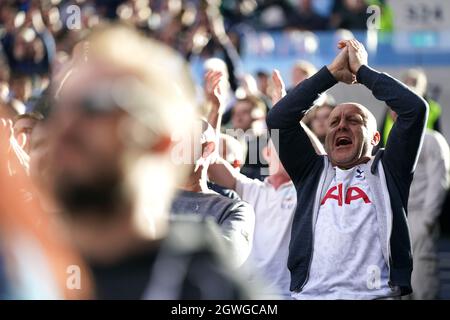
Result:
pixel 247 188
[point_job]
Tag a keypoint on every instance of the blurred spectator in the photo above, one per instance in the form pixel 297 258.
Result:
pixel 4 71
pixel 227 92
pixel 416 80
pixel 23 126
pixel 28 51
pixel 274 201
pixel 229 147
pixel 9 108
pixel 108 8
pixel 246 112
pixel 350 14
pixel 305 17
pixel 263 80
pixel 249 87
pixel 301 70
pixel 317 118
pixel 264 88
pixel 339 35
pixel 21 87
pixel 114 172
pixel 235 218
pixel 248 115
pixel 323 7
pixel 426 197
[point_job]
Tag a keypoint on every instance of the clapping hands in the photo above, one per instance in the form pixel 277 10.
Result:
pixel 347 63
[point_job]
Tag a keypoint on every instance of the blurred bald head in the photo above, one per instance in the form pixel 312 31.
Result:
pixel 119 111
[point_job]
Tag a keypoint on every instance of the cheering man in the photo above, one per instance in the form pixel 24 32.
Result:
pixel 350 237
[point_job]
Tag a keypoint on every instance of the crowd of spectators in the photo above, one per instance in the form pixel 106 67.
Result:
pixel 43 41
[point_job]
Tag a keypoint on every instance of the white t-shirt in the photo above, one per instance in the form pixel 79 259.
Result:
pixel 274 210
pixel 347 260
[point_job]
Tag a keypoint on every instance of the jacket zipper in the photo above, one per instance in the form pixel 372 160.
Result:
pixel 314 219
pixel 389 225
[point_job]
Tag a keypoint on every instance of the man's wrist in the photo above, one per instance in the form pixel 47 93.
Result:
pixel 332 70
pixel 367 76
pixel 359 67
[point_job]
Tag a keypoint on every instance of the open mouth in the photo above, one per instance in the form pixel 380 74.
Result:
pixel 343 141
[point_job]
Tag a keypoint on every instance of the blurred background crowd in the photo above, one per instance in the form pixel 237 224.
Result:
pixel 243 41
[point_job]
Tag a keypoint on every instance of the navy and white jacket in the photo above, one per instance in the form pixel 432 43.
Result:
pixel 391 173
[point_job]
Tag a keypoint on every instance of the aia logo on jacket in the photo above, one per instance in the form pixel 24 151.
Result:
pixel 352 194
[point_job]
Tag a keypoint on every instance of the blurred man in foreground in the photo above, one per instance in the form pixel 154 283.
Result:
pixel 115 172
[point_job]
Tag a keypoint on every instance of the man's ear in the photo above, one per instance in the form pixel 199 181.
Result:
pixel 208 149
pixel 376 138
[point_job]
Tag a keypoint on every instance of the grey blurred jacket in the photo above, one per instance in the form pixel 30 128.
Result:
pixel 427 195
pixel 236 218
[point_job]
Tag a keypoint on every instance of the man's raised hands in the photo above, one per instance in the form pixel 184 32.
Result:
pixel 347 63
pixel 340 68
pixel 357 55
